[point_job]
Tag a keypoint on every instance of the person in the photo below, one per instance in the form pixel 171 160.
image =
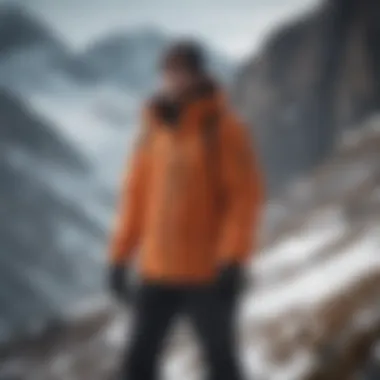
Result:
pixel 190 209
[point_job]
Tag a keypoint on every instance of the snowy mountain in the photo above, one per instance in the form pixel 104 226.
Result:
pixel 33 58
pixel 49 246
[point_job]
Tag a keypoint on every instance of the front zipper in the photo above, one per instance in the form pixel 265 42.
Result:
pixel 171 184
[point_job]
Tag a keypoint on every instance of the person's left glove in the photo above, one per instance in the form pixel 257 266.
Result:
pixel 118 282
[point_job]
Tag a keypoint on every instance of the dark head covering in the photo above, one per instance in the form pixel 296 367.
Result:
pixel 185 54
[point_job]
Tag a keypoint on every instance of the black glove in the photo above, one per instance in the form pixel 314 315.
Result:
pixel 118 282
pixel 230 281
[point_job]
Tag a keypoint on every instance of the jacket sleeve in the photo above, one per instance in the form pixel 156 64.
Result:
pixel 127 231
pixel 243 194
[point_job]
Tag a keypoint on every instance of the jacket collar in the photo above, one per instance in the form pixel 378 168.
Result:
pixel 170 111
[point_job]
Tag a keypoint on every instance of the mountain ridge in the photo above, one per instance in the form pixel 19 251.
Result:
pixel 18 28
pixel 125 58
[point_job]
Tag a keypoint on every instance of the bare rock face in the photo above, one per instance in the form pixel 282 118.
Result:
pixel 315 78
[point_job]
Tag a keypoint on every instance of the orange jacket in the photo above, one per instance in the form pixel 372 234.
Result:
pixel 192 197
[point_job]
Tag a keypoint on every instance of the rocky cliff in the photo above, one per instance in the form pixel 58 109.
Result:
pixel 315 78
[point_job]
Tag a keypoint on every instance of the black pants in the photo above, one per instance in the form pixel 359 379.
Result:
pixel 210 315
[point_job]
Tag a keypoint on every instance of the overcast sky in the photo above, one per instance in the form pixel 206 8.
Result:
pixel 236 27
